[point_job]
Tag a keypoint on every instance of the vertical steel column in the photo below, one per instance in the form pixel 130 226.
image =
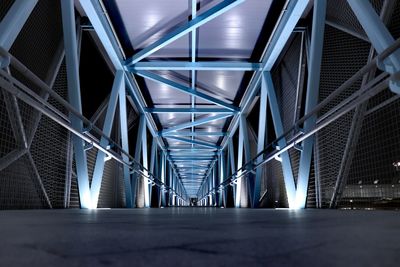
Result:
pixel 233 165
pixel 153 160
pixel 317 41
pixel 138 156
pixel 145 165
pixel 129 199
pixel 278 126
pixel 71 56
pixel 163 178
pixel 262 129
pixel 379 36
pixel 243 156
pixel 15 19
pixel 221 173
pixel 173 188
pixel 107 127
pixel 171 178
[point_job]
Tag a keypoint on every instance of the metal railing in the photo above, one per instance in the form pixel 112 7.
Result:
pixel 25 94
pixel 369 90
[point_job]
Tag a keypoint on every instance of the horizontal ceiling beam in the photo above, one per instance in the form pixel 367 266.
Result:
pixel 185 89
pixel 194 167
pixel 184 29
pixel 195 142
pixel 189 148
pixel 190 110
pixel 192 159
pixel 193 123
pixel 175 158
pixel 188 153
pixel 196 66
pixel 195 134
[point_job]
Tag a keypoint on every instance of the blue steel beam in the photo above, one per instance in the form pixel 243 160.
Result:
pixel 379 36
pixel 185 89
pixel 189 148
pixel 196 66
pixel 14 20
pixel 179 158
pixel 194 167
pixel 243 157
pixel 222 175
pixel 280 37
pixel 153 161
pixel 125 146
pixel 186 28
pixel 196 142
pixel 192 124
pixel 190 110
pixel 262 125
pixel 163 178
pixel 138 149
pixel 196 134
pixel 74 95
pixel 279 131
pixel 107 127
pixel 187 154
pixel 314 70
pixel 95 13
pixel 145 165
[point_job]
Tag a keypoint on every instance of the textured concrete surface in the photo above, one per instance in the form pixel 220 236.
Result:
pixel 199 237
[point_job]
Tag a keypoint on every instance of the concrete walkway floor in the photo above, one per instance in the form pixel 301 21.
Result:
pixel 199 237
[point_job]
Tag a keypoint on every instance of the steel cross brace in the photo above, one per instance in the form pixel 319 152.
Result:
pixel 379 36
pixel 193 24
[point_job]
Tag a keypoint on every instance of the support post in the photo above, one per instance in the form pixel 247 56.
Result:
pixel 71 56
pixel 243 157
pixel 107 127
pixel 129 197
pixel 262 129
pixel 145 165
pixel 317 41
pixel 276 118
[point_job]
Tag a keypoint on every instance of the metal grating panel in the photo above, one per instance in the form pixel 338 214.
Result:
pixel 7 140
pixel 374 181
pixel 19 188
pixel 285 81
pixel 339 63
pixel 50 145
pixel 43 33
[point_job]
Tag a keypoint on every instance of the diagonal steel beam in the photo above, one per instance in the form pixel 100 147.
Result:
pixel 71 58
pixel 262 130
pixel 279 131
pixel 185 89
pixel 312 93
pixel 190 110
pixel 196 66
pixel 196 142
pixel 195 134
pixel 107 127
pixel 181 31
pixel 379 35
pixel 196 123
pixel 123 122
pixel 14 20
pixel 281 35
